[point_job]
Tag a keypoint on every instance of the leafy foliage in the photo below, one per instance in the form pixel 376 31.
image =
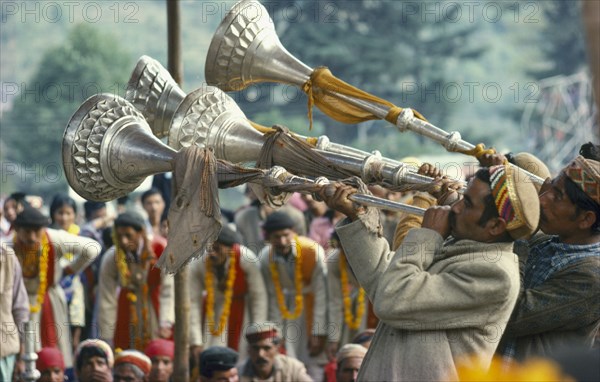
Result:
pixel 87 63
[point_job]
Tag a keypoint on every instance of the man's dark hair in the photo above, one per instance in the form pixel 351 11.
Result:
pixel 489 209
pixel 576 195
pixel 89 352
pixel 150 192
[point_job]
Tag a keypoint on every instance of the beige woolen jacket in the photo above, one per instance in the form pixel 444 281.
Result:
pixel 438 301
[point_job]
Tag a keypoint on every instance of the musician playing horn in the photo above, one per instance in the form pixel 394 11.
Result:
pixel 560 296
pixel 447 292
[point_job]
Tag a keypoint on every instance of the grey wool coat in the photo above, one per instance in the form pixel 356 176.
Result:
pixel 438 302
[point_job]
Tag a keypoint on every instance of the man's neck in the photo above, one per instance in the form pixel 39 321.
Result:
pixel 264 375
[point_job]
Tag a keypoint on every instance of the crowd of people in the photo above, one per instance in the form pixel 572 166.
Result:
pixel 321 289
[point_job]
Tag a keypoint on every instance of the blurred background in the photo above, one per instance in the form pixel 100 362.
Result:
pixel 513 75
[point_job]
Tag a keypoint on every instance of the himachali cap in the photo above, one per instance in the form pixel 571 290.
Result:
pixel 160 348
pixel 533 164
pixel 277 221
pixel 217 358
pixel 94 347
pixel 586 174
pixel 229 237
pixel 130 219
pixel 351 350
pixel 136 358
pixel 516 200
pixel 48 358
pixel 262 331
pixel 31 217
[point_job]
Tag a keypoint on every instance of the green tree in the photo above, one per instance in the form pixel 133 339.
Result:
pixel 87 63
pixel 562 41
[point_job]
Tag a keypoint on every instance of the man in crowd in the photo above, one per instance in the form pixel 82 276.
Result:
pixel 440 298
pixel 349 359
pixel 51 365
pixel 217 364
pixel 560 293
pixel 39 250
pixel 162 353
pixel 94 361
pixel 131 366
pixel 14 310
pixel 143 309
pixel 250 218
pixel 294 272
pixel 227 294
pixel 265 363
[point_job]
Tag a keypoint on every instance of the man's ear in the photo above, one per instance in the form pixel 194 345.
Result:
pixel 586 220
pixel 496 227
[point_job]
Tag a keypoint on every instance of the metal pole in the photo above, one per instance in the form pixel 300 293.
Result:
pixel 181 370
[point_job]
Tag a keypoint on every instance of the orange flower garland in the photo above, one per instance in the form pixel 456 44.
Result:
pixel 42 269
pixel 352 322
pixel 298 281
pixel 125 275
pixel 210 296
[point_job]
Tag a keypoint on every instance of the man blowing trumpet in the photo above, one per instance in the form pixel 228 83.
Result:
pixel 447 292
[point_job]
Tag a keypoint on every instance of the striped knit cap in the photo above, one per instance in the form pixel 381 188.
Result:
pixel 586 174
pixel 516 200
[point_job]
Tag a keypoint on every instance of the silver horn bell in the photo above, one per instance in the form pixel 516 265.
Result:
pixel 248 31
pixel 108 149
pixel 152 90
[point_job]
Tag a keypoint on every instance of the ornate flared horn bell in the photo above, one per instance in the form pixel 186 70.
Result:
pixel 245 49
pixel 108 149
pixel 209 117
pixel 153 91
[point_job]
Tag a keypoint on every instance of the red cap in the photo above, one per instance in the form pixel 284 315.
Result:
pixel 160 347
pixel 49 357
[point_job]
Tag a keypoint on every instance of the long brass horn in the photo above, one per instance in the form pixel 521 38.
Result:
pixel 245 50
pixel 109 149
pixel 209 117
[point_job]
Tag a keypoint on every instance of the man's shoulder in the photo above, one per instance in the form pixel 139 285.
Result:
pixel 288 363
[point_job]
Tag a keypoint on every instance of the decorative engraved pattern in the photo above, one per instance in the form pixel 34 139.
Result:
pixel 86 148
pixel 148 82
pixel 198 119
pixel 250 18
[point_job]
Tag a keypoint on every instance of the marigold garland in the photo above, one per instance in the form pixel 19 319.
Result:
pixel 125 275
pixel 210 296
pixel 43 260
pixel 299 299
pixel 353 322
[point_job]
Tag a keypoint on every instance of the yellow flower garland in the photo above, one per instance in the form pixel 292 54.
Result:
pixel 298 281
pixel 125 275
pixel 42 268
pixel 210 296
pixel 352 322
